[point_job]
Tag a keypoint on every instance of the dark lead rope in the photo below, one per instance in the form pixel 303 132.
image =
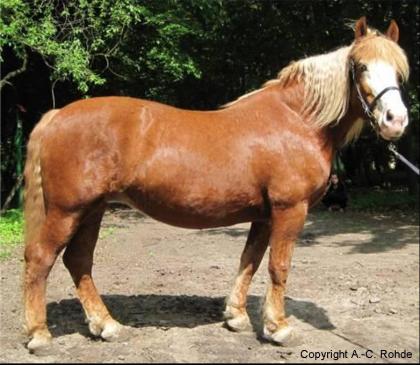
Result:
pixel 392 148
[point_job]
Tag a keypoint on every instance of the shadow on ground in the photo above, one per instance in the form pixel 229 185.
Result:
pixel 230 231
pixel 166 311
pixel 362 233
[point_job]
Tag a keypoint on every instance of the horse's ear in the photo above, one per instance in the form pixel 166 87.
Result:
pixel 393 32
pixel 360 29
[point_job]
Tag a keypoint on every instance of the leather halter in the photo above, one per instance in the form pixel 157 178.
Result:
pixel 368 107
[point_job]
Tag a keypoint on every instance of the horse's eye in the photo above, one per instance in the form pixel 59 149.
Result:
pixel 362 67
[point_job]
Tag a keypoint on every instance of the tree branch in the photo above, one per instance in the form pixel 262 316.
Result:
pixel 14 73
pixel 53 93
pixel 12 193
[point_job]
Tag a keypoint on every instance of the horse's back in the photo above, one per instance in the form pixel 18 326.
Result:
pixel 115 146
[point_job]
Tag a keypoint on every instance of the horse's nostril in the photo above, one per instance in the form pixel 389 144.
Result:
pixel 389 116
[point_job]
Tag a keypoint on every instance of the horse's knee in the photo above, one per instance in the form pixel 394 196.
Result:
pixel 39 257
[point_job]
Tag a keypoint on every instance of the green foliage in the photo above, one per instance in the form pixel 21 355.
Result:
pixel 161 51
pixel 106 232
pixel 80 39
pixel 25 26
pixel 11 231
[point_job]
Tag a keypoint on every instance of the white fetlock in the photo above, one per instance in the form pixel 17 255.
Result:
pixel 280 336
pixel 95 328
pixel 239 323
pixel 235 319
pixel 112 331
pixel 40 342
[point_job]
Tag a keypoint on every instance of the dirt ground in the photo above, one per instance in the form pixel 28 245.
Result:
pixel 354 287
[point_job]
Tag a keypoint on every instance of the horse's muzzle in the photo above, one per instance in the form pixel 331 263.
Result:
pixel 393 125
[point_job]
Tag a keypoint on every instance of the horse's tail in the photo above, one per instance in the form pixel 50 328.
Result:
pixel 34 207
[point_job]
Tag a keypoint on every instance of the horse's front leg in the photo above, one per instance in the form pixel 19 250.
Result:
pixel 235 312
pixel 286 224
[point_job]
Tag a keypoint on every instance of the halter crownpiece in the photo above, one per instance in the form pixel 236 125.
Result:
pixel 368 107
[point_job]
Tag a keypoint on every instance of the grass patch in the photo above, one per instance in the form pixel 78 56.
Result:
pixel 11 231
pixel 106 232
pixel 382 200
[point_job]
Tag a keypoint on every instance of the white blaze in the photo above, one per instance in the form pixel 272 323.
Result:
pixel 379 76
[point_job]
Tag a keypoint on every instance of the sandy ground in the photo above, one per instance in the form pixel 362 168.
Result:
pixel 354 288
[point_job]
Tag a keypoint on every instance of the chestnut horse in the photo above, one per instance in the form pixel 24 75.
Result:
pixel 264 158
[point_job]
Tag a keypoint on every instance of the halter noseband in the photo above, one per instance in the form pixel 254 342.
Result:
pixel 368 108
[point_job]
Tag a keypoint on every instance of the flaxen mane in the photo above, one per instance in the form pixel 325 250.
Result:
pixel 326 78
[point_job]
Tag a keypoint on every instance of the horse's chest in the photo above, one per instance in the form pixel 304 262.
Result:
pixel 299 177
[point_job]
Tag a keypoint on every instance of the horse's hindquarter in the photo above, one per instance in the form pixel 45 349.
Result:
pixel 84 148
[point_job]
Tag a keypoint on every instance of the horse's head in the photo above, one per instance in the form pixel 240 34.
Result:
pixel 378 66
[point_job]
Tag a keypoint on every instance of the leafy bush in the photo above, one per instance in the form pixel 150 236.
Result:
pixel 11 231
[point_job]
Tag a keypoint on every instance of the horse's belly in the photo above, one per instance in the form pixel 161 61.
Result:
pixel 203 212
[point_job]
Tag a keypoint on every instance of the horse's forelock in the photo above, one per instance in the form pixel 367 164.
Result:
pixel 376 47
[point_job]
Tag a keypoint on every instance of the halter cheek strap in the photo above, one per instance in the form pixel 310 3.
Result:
pixel 368 108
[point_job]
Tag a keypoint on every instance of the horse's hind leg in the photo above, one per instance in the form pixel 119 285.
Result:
pixel 235 313
pixel 41 252
pixel 78 258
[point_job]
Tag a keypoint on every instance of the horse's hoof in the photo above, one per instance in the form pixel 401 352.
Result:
pixel 283 337
pixel 95 329
pixel 239 323
pixel 40 345
pixel 115 332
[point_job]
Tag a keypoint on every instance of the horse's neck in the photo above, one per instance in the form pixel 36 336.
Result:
pixel 333 136
pixel 349 125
